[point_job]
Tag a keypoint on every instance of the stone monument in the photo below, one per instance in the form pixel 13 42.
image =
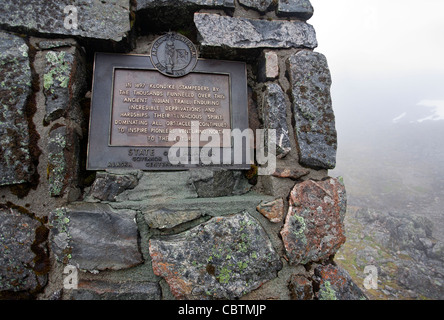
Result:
pixel 90 207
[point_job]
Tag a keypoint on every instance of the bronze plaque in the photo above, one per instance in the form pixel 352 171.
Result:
pixel 135 105
pixel 147 105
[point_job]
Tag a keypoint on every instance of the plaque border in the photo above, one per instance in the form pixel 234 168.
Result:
pixel 105 157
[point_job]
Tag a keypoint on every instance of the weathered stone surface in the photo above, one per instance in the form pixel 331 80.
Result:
pixel 159 187
pixel 314 227
pixel 102 290
pixel 64 82
pixel 175 191
pixel 93 236
pixel 167 215
pixel 272 210
pixel 165 219
pixel 219 183
pixel 277 187
pixel 15 87
pixel 314 117
pixel 108 186
pixel 24 259
pixel 241 33
pixel 261 5
pixel 47 44
pixel 275 117
pixel 224 258
pixel 106 20
pixel 300 288
pixel 336 284
pixel 293 174
pixel 146 4
pixel 63 150
pixel 297 8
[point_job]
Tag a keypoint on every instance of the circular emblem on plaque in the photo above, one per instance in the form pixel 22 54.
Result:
pixel 173 55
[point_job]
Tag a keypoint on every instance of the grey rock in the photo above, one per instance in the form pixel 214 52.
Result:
pixel 147 4
pixel 105 20
pixel 23 257
pixel 159 187
pixel 408 240
pixel 64 82
pixel 165 219
pixel 336 284
pixel 437 251
pixel 103 290
pixel 261 5
pixel 275 117
pixel 93 236
pixel 107 186
pixel 47 44
pixel 297 8
pixel 314 117
pixel 15 89
pixel 241 33
pixel 277 187
pixel 219 183
pixel 63 152
pixel 175 191
pixel 167 215
pixel 224 258
pixel 422 280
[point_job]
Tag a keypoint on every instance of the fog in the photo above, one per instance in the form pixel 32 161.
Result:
pixel 387 65
pixel 386 57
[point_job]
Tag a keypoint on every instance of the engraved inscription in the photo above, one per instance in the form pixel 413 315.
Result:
pixel 146 105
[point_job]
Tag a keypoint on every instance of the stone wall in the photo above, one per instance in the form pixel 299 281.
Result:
pixel 197 234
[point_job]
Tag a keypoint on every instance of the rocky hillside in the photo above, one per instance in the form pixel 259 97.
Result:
pixel 394 176
pixel 409 260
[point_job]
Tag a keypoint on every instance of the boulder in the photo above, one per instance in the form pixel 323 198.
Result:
pixel 301 288
pixel 312 107
pixel 108 186
pixel 92 236
pixel 314 226
pixel 24 260
pixel 295 8
pixel 102 20
pixel 64 79
pixel 275 118
pixel 241 33
pixel 336 284
pixel 15 89
pixel 224 258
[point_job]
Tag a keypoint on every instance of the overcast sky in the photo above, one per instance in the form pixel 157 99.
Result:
pixel 386 58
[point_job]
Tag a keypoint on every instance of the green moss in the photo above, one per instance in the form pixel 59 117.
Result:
pixel 326 292
pixel 56 165
pixel 224 275
pixel 58 74
pixel 299 227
